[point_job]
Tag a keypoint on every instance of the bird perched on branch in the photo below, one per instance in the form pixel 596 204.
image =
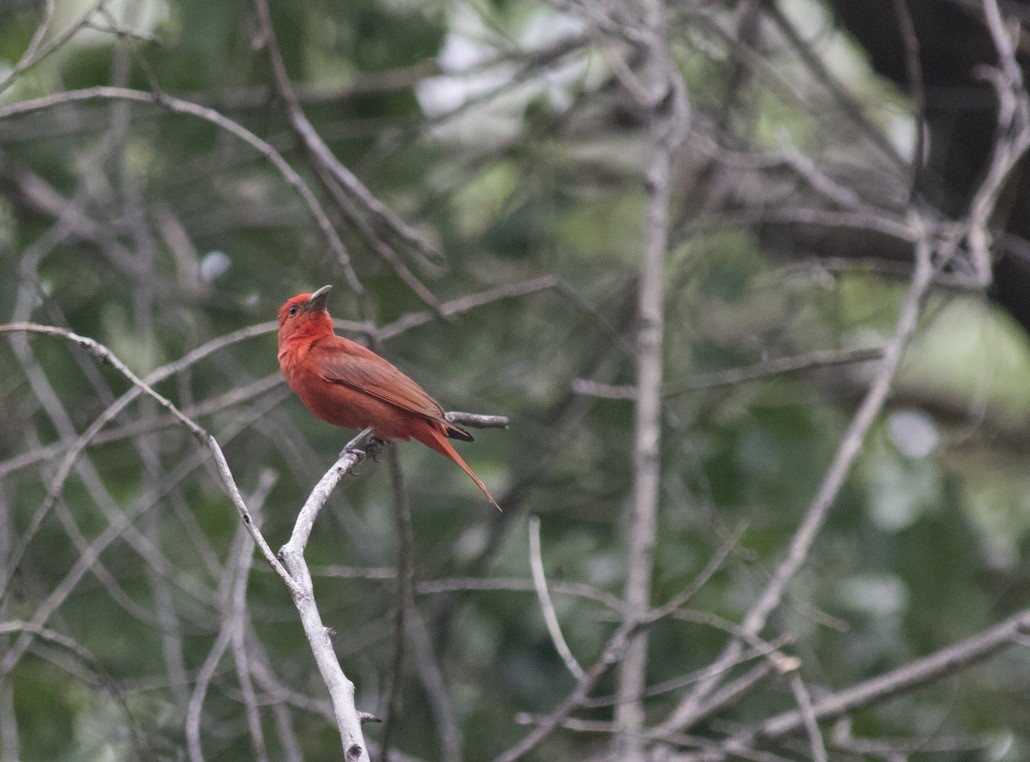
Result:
pixel 349 385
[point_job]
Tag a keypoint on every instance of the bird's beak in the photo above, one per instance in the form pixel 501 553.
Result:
pixel 316 301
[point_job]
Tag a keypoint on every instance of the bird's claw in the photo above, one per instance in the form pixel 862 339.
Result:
pixel 373 448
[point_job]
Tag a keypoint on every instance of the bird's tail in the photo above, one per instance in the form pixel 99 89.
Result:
pixel 429 435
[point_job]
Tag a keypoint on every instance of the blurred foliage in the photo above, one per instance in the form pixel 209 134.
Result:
pixel 920 549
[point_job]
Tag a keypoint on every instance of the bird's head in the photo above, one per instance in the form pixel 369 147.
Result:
pixel 305 314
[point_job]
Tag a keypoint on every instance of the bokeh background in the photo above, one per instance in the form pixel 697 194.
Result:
pixel 504 135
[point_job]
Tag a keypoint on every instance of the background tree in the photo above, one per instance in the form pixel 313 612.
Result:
pixel 749 280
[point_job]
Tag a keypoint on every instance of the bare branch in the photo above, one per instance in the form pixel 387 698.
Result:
pixel 466 303
pixel 179 106
pixel 1010 146
pixel 536 564
pixel 238 622
pixel 613 651
pixel 701 579
pixel 477 420
pixel 325 158
pixel 908 677
pixel 405 598
pixel 35 53
pixel 804 701
pixel 780 365
pixel 105 355
pixel 436 689
pixel 293 571
pixel 914 72
pixel 341 689
pixel 833 479
pixel 668 121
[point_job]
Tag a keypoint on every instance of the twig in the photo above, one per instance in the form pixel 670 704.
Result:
pixel 477 420
pixel 890 748
pixel 405 602
pixel 106 356
pixel 239 551
pixel 832 481
pixel 536 564
pixel 697 675
pixel 734 689
pixel 118 527
pixel 472 584
pixel 800 363
pixel 466 303
pixel 603 391
pixel 292 571
pixel 668 119
pixel 822 74
pixel 317 147
pixel 65 641
pixel 607 728
pixel 436 690
pixel 96 673
pixel 682 598
pixel 1011 144
pixel 917 91
pixel 613 651
pixel 699 381
pixel 815 178
pixel 238 622
pixel 908 677
pixel 815 738
pixel 179 106
pixel 34 53
pixel 379 246
pixel 341 689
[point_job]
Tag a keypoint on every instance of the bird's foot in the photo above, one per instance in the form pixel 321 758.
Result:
pixel 373 448
pixel 352 446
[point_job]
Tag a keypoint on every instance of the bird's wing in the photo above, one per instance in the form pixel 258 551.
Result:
pixel 349 364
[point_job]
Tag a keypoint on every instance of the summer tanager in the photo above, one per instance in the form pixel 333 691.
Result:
pixel 349 385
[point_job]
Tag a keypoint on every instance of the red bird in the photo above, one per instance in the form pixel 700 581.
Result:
pixel 348 385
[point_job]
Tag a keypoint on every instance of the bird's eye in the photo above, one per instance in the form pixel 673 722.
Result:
pixel 293 310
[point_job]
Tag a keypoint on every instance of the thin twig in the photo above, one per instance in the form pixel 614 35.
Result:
pixel 436 690
pixel 238 622
pixel 118 527
pixel 34 53
pixel 845 100
pixel 239 549
pixel 292 570
pixel 700 381
pixel 1011 144
pixel 908 677
pixel 917 91
pixel 106 356
pixel 668 122
pixel 850 445
pixel 536 564
pixel 405 599
pixel 804 700
pixel 613 651
pixel 381 213
pixel 682 598
pixel 801 363
pixel 466 303
pixel 179 106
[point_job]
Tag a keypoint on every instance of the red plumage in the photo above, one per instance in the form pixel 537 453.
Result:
pixel 349 385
